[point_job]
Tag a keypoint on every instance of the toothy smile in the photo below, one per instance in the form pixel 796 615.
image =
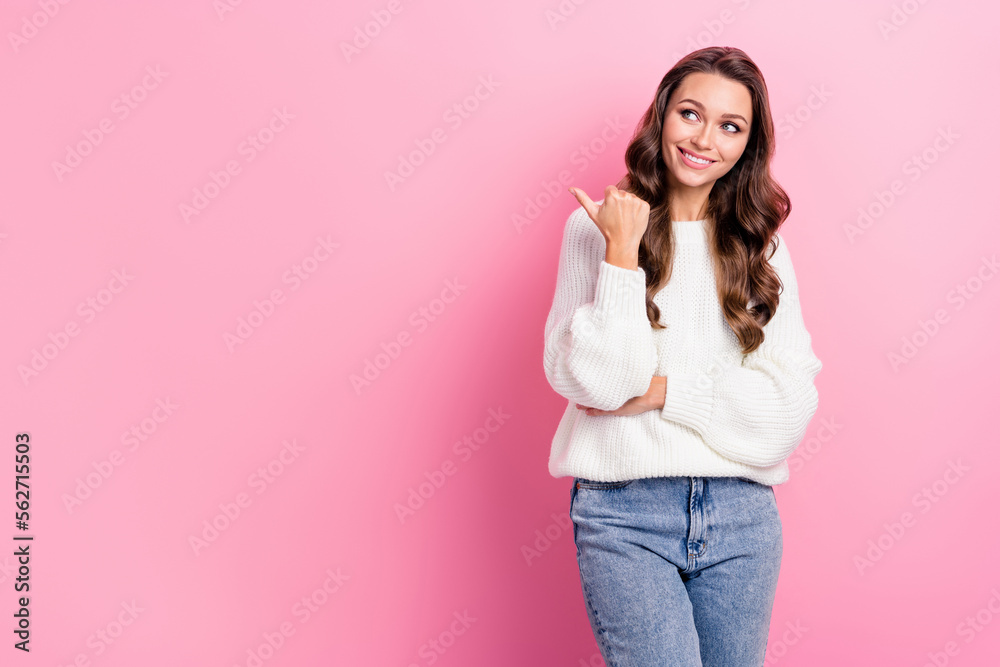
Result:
pixel 695 158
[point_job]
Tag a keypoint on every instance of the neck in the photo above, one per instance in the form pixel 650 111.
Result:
pixel 687 202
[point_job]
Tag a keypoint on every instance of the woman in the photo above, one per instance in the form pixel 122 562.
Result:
pixel 677 337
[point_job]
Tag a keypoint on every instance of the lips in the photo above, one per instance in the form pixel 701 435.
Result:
pixel 690 154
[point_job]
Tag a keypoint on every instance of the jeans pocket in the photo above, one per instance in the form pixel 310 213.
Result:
pixel 582 483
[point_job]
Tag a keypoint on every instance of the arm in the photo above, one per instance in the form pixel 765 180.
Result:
pixel 755 413
pixel 599 348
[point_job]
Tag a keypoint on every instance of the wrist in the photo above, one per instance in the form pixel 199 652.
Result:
pixel 623 256
pixel 657 392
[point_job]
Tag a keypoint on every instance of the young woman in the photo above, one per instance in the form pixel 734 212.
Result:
pixel 677 337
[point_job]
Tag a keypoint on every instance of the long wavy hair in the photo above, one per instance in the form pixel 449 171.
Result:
pixel 745 207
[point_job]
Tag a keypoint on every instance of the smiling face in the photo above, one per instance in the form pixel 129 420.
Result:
pixel 705 129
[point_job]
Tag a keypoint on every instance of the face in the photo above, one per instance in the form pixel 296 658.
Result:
pixel 708 117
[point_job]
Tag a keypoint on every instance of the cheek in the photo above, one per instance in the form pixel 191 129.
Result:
pixel 667 149
pixel 672 133
pixel 733 152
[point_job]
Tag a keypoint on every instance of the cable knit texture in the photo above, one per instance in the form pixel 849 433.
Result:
pixel 726 413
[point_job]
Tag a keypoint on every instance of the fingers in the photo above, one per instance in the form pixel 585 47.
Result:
pixel 585 201
pixel 610 193
pixel 620 200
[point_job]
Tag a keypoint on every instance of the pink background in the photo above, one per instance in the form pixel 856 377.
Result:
pixel 439 264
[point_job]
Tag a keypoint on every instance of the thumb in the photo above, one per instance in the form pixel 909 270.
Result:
pixel 585 201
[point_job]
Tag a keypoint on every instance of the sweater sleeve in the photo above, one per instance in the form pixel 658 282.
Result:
pixel 755 413
pixel 599 350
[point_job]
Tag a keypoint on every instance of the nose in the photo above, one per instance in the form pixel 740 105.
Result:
pixel 703 139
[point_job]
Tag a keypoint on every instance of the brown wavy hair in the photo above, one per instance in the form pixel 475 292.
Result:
pixel 745 207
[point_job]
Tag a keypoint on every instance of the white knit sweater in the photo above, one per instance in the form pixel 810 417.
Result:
pixel 726 413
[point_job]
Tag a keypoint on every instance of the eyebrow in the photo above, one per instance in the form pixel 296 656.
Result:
pixel 702 107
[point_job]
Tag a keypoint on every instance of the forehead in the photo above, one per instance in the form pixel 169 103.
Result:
pixel 719 94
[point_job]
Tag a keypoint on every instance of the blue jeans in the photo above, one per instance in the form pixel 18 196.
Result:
pixel 678 571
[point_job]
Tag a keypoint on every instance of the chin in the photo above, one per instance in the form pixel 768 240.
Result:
pixel 688 178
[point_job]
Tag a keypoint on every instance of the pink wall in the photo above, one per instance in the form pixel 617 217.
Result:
pixel 225 253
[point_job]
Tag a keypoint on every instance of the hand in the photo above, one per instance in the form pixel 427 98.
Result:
pixel 622 217
pixel 654 399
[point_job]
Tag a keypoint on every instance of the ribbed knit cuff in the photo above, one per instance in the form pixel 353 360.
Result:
pixel 689 400
pixel 621 293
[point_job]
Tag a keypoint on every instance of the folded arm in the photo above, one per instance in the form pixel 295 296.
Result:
pixel 599 348
pixel 756 412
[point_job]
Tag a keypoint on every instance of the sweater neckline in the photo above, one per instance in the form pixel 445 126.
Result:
pixel 689 230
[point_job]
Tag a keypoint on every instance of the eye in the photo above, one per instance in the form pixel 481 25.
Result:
pixel 735 130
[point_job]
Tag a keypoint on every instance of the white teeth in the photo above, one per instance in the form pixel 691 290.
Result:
pixel 695 159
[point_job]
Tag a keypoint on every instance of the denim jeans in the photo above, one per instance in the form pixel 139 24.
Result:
pixel 678 571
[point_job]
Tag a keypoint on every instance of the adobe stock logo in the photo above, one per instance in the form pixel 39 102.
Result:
pixel 809 448
pixel 968 628
pixel 798 117
pixel 926 329
pixel 218 181
pixel 37 21
pixel 304 609
pixel 433 649
pixel 104 637
pixel 223 7
pixel 103 469
pixel 230 511
pixel 456 115
pixel 581 158
pixel 420 319
pixel 562 524
pixel 790 637
pixel 122 107
pixel 561 12
pixel 898 17
pixel 464 449
pixel 713 29
pixel 381 18
pixel 264 309
pixel 914 167
pixel 924 500
pixel 88 310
